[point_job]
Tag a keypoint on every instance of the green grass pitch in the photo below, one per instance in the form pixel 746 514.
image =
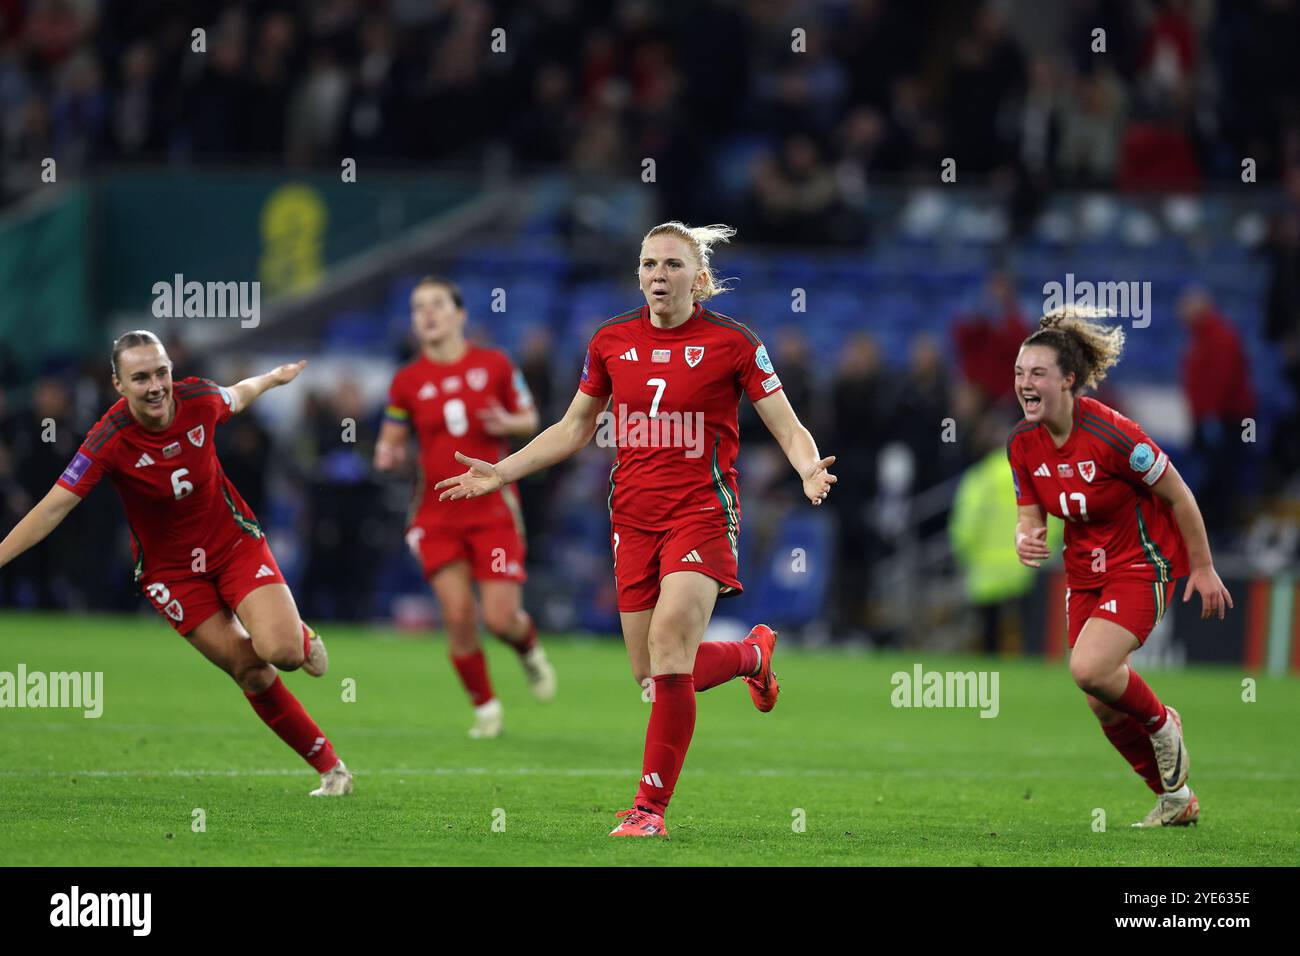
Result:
pixel 871 783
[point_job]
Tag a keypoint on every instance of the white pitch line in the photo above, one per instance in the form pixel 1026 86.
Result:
pixel 883 775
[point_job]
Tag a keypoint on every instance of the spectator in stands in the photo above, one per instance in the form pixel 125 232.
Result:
pixel 1092 128
pixel 982 522
pixel 344 500
pixel 986 80
pixel 1282 323
pixel 988 340
pixel 864 397
pixel 793 195
pixel 1217 384
pixel 41 440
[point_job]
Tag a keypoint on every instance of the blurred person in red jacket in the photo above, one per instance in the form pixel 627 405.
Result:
pixel 1219 391
pixel 988 340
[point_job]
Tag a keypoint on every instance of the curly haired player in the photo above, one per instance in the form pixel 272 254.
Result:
pixel 1132 528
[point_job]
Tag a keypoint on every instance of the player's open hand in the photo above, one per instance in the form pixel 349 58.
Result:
pixel 284 374
pixel 496 420
pixel 818 484
pixel 1031 547
pixel 1214 596
pixel 481 479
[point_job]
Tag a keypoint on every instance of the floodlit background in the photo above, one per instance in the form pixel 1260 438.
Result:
pixel 906 177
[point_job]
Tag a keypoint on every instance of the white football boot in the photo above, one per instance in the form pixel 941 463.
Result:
pixel 318 659
pixel 540 674
pixel 336 782
pixel 488 720
pixel 1178 809
pixel 1171 752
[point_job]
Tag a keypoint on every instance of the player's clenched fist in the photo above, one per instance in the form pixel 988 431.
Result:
pixel 1031 546
pixel 481 479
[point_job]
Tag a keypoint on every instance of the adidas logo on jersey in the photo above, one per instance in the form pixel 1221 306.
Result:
pixel 144 460
pixel 652 779
pixel 693 558
pixel 1110 605
pixel 264 572
pixel 1042 471
pixel 629 355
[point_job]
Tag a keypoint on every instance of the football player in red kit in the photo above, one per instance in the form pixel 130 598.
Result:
pixel 675 372
pixel 1132 528
pixel 201 557
pixel 459 395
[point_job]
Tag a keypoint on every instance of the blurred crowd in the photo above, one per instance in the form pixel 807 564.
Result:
pixel 790 108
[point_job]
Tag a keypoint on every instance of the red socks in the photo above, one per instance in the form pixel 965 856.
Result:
pixel 717 662
pixel 472 669
pixel 1140 702
pixel 1134 745
pixel 667 738
pixel 281 711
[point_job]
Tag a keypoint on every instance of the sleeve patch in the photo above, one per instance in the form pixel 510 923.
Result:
pixel 771 383
pixel 763 362
pixel 76 469
pixel 586 365
pixel 1142 457
pixel 521 389
pixel 1158 469
pixel 226 396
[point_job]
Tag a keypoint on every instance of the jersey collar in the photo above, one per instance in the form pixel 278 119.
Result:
pixel 680 330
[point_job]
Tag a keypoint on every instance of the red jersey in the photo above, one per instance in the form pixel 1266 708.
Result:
pixel 1100 482
pixel 676 393
pixel 441 402
pixel 175 494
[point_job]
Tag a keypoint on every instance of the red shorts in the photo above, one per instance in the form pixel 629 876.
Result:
pixel 1136 606
pixel 642 558
pixel 187 598
pixel 494 553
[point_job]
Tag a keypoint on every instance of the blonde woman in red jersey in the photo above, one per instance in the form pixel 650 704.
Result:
pixel 201 557
pixel 1132 528
pixel 675 372
pixel 459 395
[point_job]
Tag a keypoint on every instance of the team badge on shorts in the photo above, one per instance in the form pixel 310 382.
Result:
pixel 172 450
pixel 195 435
pixel 693 355
pixel 1087 470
